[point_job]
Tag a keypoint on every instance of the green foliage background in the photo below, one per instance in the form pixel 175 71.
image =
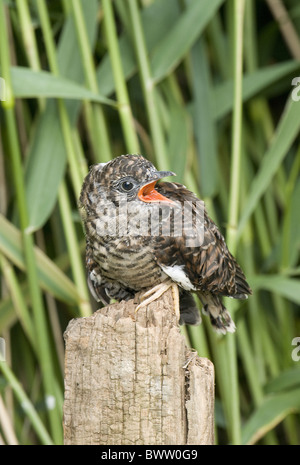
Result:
pixel 201 87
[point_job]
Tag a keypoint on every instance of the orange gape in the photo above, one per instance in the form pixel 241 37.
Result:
pixel 148 194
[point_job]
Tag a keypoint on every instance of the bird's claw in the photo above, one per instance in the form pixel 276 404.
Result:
pixel 157 291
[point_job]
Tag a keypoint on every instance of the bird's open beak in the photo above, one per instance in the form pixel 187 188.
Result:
pixel 147 193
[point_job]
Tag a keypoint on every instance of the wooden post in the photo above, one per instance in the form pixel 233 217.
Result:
pixel 130 379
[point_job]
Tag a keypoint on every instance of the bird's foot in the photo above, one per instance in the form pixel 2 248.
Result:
pixel 155 292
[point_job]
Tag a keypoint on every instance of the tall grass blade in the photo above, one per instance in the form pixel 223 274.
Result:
pixel 46 160
pixel 31 84
pixel 271 412
pixel 52 279
pixel 287 130
pixel 177 42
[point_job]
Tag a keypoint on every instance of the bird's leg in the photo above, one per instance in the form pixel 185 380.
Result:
pixel 155 292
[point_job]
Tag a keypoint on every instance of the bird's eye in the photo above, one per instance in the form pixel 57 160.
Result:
pixel 127 186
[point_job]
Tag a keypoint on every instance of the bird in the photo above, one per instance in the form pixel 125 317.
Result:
pixel 144 234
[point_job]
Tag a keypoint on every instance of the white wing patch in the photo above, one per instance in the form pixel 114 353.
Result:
pixel 177 274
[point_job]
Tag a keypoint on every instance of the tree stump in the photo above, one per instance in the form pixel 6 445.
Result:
pixel 130 379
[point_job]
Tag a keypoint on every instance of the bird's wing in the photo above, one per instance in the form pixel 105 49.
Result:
pixel 199 260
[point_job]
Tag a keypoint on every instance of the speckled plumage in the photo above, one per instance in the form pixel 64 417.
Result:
pixel 127 251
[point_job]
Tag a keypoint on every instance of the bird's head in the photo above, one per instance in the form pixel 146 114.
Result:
pixel 125 178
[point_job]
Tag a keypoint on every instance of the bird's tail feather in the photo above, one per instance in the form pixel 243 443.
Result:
pixel 189 312
pixel 220 317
